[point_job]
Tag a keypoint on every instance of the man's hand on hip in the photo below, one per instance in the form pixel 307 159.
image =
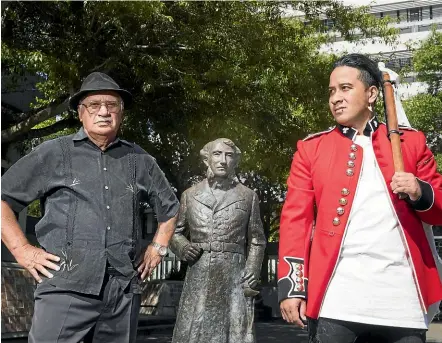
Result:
pixel 406 183
pixel 293 309
pixel 152 259
pixel 36 260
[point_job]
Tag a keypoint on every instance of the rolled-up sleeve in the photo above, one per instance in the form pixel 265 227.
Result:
pixel 26 180
pixel 161 196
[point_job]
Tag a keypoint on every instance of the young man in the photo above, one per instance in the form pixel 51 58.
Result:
pixel 91 184
pixel 363 264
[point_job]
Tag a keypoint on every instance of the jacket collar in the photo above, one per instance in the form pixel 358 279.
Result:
pixel 204 195
pixel 351 132
pixel 81 135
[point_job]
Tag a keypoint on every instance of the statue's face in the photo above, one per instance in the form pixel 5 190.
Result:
pixel 221 160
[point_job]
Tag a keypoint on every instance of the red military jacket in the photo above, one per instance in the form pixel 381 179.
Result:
pixel 324 175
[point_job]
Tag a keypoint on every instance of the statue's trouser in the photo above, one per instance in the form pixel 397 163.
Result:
pixel 66 317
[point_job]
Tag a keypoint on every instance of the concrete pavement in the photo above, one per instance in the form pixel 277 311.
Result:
pixel 266 332
pixel 278 331
pixel 434 334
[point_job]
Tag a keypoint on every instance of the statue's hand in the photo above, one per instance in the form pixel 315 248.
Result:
pixel 192 253
pixel 249 283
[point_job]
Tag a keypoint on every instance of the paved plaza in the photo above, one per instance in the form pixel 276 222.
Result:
pixel 278 331
pixel 267 332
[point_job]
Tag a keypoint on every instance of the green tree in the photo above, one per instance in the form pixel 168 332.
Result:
pixel 198 70
pixel 249 71
pixel 425 110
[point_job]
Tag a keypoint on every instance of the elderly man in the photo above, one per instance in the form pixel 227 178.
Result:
pixel 225 248
pixel 90 185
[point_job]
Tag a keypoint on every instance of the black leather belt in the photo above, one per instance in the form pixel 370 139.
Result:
pixel 217 246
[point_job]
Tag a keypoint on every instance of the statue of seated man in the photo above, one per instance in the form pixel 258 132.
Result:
pixel 219 233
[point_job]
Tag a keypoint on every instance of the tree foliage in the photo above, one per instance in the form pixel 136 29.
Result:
pixel 198 70
pixel 425 110
pixel 249 71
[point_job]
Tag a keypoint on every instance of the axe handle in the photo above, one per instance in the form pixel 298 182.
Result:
pixel 393 127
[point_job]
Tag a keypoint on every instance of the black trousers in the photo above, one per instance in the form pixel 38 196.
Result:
pixel 69 317
pixel 325 330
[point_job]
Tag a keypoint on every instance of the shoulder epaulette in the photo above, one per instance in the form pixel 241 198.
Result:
pixel 318 133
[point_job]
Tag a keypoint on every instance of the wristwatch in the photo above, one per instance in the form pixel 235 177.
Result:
pixel 162 250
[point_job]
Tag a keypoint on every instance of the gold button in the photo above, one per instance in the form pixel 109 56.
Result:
pixel 336 221
pixel 350 172
pixel 345 191
pixel 352 156
pixel 351 164
pixel 354 147
pixel 340 211
pixel 343 201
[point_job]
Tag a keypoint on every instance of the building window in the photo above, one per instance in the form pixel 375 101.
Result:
pixel 392 14
pixel 399 63
pixel 415 14
pixel 328 24
pixel 423 28
pixel 426 13
pixel 405 62
pixel 436 11
pixel 402 16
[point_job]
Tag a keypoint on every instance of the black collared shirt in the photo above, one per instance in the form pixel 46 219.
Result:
pixel 91 205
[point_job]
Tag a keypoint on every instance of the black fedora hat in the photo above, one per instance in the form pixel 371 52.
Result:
pixel 99 82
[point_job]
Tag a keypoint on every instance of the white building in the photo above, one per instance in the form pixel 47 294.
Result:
pixel 414 19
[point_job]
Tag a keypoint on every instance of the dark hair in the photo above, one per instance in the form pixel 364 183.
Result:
pixel 370 74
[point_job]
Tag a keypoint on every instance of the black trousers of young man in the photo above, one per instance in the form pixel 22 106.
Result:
pixel 325 330
pixel 62 316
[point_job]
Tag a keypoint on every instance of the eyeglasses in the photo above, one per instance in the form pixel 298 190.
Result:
pixel 94 107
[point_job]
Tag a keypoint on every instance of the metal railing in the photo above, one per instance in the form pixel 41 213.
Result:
pixel 272 270
pixel 169 264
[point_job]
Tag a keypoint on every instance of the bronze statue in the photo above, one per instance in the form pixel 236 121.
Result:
pixel 219 233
